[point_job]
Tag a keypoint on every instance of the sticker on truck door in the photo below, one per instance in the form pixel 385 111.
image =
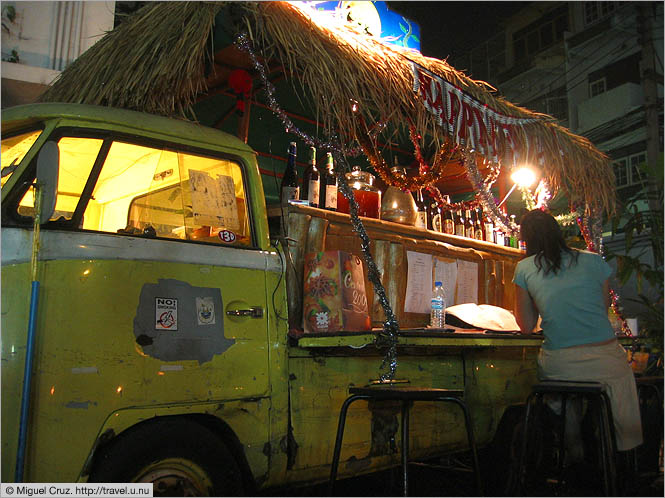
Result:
pixel 166 313
pixel 177 321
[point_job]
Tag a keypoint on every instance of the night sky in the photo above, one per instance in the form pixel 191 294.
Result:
pixel 448 28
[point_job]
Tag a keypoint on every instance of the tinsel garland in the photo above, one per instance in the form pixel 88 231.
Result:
pixel 594 246
pixel 485 197
pixel 390 326
pixel 428 175
pixel 568 219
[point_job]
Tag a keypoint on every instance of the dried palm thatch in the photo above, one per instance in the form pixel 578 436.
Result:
pixel 337 65
pixel 155 62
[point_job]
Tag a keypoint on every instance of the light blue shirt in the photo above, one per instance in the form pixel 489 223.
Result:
pixel 570 303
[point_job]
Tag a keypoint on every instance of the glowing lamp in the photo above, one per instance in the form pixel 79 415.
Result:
pixel 523 177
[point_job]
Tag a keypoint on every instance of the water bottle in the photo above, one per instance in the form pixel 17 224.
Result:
pixel 438 310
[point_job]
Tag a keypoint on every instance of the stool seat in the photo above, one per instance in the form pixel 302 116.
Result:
pixel 406 393
pixel 406 396
pixel 591 391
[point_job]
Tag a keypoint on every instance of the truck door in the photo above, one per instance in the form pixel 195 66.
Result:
pixel 153 293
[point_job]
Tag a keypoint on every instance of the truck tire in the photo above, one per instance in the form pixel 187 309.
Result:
pixel 180 457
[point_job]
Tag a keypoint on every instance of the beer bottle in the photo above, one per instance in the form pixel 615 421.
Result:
pixel 421 220
pixel 328 193
pixel 469 227
pixel 447 223
pixel 289 189
pixel 478 222
pixel 311 182
pixel 459 223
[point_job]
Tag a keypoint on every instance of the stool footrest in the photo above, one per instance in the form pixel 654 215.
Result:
pixel 406 393
pixel 571 387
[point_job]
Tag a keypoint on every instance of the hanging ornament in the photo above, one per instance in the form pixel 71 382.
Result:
pixel 388 338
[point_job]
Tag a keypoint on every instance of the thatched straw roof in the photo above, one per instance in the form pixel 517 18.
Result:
pixel 156 62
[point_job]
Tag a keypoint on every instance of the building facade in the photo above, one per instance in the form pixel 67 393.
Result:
pixel 597 67
pixel 39 39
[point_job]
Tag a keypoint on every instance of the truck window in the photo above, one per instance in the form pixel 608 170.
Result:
pixel 178 195
pixel 77 156
pixel 147 191
pixel 14 149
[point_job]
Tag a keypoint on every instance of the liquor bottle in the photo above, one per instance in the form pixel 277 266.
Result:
pixel 289 189
pixel 489 229
pixel 328 192
pixel 513 236
pixel 421 220
pixel 499 237
pixel 459 223
pixel 469 227
pixel 479 228
pixel 311 182
pixel 437 221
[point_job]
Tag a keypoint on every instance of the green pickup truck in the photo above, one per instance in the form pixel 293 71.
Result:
pixel 161 339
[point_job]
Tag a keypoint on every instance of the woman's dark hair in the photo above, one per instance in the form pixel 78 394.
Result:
pixel 544 239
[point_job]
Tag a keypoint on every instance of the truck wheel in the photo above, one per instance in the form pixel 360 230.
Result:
pixel 179 457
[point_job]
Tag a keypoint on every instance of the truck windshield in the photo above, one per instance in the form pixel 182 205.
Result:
pixel 14 150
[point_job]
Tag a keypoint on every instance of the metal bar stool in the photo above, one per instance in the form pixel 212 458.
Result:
pixel 590 390
pixel 406 396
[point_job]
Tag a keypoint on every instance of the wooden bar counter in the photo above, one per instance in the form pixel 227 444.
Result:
pixel 312 230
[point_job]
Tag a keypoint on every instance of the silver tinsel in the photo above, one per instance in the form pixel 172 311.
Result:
pixel 484 195
pixel 388 338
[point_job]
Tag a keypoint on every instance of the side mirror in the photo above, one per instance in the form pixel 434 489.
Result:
pixel 47 177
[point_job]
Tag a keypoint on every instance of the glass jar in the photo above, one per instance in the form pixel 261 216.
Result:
pixel 366 194
pixel 396 205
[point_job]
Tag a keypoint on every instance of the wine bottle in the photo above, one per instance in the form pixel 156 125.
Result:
pixel 328 193
pixel 469 228
pixel 311 182
pixel 459 223
pixel 421 220
pixel 289 189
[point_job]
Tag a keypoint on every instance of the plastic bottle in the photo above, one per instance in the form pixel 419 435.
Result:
pixel 438 309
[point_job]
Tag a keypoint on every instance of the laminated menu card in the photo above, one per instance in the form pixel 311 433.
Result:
pixel 334 297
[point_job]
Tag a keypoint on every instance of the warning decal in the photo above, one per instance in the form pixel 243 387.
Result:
pixel 166 313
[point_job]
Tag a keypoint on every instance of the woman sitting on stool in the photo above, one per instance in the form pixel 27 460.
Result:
pixel 569 289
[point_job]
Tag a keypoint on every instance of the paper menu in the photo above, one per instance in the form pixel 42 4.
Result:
pixel 419 283
pixel 213 200
pixel 445 271
pixel 467 282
